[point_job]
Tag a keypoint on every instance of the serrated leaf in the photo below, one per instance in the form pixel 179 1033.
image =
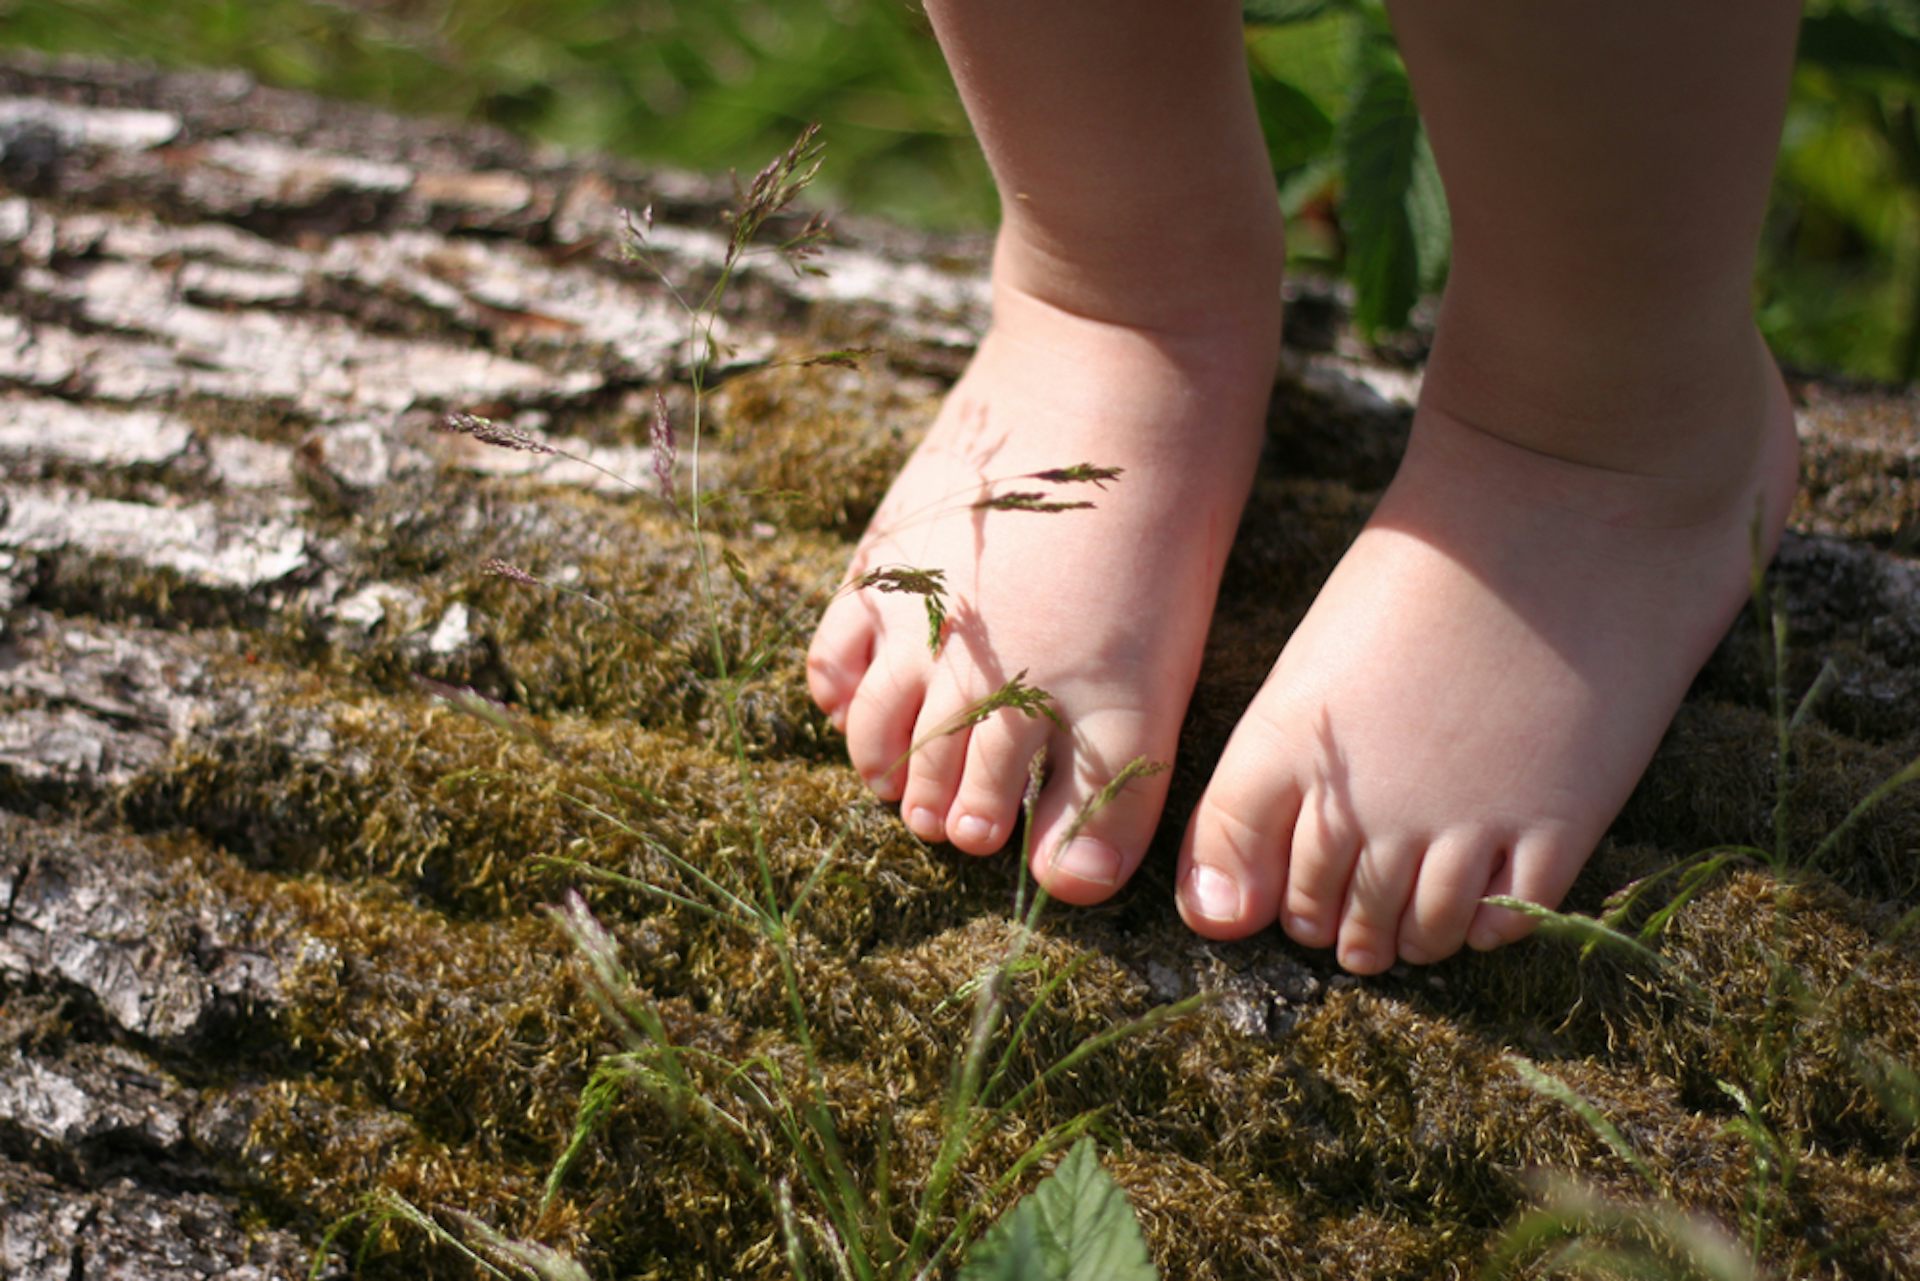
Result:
pixel 1075 1226
pixel 1297 130
pixel 1428 215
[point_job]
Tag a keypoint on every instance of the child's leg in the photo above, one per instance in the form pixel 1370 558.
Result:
pixel 1136 325
pixel 1488 670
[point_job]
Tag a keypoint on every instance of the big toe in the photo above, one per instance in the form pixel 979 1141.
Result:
pixel 1233 862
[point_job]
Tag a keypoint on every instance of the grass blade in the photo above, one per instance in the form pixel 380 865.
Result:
pixel 746 909
pixel 1585 930
pixel 819 869
pixel 1904 778
pixel 1545 1084
pixel 1094 1044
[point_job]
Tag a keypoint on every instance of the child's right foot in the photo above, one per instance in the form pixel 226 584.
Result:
pixel 1106 608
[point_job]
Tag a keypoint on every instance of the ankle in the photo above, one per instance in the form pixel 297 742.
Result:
pixel 1692 395
pixel 1656 448
pixel 1215 275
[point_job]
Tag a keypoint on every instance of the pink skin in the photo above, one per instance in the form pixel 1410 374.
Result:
pixel 1136 324
pixel 1488 670
pixel 1106 609
pixel 1474 693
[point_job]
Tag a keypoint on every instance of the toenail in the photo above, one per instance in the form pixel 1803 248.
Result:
pixel 1357 959
pixel 1298 925
pixel 838 719
pixel 1089 860
pixel 1483 940
pixel 972 827
pixel 1214 894
pixel 924 821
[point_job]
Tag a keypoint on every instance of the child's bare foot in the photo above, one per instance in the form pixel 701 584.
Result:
pixel 1106 608
pixel 1488 670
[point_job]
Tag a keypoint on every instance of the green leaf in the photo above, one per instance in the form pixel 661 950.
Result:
pixel 1860 44
pixel 1394 213
pixel 1075 1226
pixel 1278 13
pixel 1298 131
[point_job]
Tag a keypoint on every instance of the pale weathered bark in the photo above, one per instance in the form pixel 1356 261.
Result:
pixel 229 319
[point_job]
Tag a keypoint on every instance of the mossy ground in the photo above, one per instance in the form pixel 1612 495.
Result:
pixel 440 1034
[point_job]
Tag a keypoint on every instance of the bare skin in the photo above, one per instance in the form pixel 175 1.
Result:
pixel 1490 667
pixel 1106 609
pixel 1476 690
pixel 1136 324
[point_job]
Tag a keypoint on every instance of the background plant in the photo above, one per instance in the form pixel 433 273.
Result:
pixel 717 83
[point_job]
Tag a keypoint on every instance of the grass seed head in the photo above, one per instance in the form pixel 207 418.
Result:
pixel 500 435
pixel 1016 695
pixel 1036 779
pixel 905 578
pixel 1025 500
pixel 1138 767
pixel 773 189
pixel 1079 474
pixel 843 358
pixel 936 624
pixel 928 584
pixel 494 567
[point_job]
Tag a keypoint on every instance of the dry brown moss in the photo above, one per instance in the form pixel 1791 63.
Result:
pixel 415 791
pixel 815 446
pixel 1798 996
pixel 1383 1133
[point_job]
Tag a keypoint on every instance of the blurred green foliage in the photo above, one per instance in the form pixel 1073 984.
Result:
pixel 716 83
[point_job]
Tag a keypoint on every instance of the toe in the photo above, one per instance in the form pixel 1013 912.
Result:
pixel 934 769
pixel 1084 862
pixel 1326 845
pixel 1446 895
pixel 1233 863
pixel 880 721
pixel 837 658
pixel 1377 894
pixel 1540 869
pixel 993 780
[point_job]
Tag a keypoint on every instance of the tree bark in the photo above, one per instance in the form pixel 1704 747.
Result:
pixel 231 543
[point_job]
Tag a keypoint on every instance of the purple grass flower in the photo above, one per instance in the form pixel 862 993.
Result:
pixel 500 435
pixel 660 436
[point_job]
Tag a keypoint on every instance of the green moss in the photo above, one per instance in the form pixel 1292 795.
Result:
pixel 814 447
pixel 438 1040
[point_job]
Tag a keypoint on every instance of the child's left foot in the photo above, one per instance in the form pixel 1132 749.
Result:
pixel 1483 679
